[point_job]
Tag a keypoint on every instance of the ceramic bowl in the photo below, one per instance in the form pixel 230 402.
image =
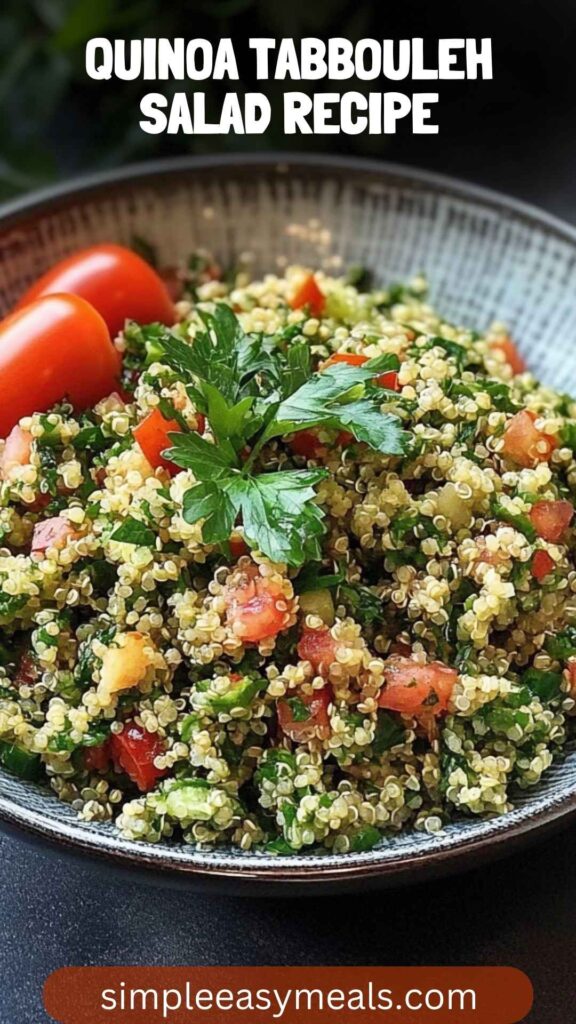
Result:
pixel 486 256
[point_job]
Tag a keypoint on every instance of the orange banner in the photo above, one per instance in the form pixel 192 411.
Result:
pixel 288 995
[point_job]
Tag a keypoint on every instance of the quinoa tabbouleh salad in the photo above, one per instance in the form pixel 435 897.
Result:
pixel 301 576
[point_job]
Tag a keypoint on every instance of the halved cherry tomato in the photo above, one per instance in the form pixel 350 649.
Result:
pixel 117 282
pixel 255 605
pixel 511 354
pixel 152 436
pixel 134 751
pixel 387 380
pixel 542 565
pixel 51 533
pixel 58 347
pixel 309 294
pixel 524 443
pixel 551 519
pixel 414 689
pixel 17 450
pixel 97 759
pixel 317 646
pixel 292 720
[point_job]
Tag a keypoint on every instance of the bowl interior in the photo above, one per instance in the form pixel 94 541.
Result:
pixel 486 258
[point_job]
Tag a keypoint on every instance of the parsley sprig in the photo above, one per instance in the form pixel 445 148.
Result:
pixel 253 389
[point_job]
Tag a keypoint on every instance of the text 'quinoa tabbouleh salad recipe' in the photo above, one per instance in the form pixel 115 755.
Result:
pixel 299 572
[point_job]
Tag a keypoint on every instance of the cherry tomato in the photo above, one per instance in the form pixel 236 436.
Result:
pixel 134 751
pixel 57 347
pixel 117 282
pixel 511 354
pixel 413 689
pixel 17 450
pixel 317 646
pixel 97 759
pixel 256 606
pixel 309 294
pixel 551 519
pixel 524 443
pixel 292 712
pixel 387 380
pixel 51 533
pixel 152 436
pixel 542 565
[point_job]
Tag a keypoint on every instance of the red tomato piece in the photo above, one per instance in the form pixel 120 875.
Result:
pixel 524 443
pixel 309 294
pixel 17 450
pixel 152 436
pixel 387 380
pixel 97 759
pixel 51 533
pixel 317 646
pixel 542 565
pixel 28 671
pixel 134 751
pixel 256 607
pixel 551 519
pixel 238 546
pixel 317 724
pixel 571 669
pixel 414 689
pixel 115 280
pixel 511 354
pixel 57 347
pixel 306 443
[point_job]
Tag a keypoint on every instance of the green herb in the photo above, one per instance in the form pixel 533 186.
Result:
pixel 132 531
pixel 298 709
pixel 19 761
pixel 359 277
pixel 389 733
pixel 568 435
pixel 310 578
pixel 365 606
pixel 520 522
pixel 562 645
pixel 364 838
pixel 545 685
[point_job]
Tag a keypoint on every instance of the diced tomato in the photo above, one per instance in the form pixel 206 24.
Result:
pixel 399 647
pixel 317 646
pixel 542 565
pixel 387 380
pixel 134 751
pixel 97 759
pixel 524 443
pixel 28 671
pixel 309 294
pixel 256 606
pixel 17 450
pixel 306 443
pixel 317 724
pixel 344 438
pixel 152 436
pixel 51 533
pixel 414 689
pixel 510 353
pixel 551 519
pixel 238 546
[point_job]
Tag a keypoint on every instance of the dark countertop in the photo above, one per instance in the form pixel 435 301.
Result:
pixel 520 912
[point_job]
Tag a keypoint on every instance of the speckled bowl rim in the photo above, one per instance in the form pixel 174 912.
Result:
pixel 462 844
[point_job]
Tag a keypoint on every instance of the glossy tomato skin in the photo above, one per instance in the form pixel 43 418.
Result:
pixel 551 519
pixel 542 565
pixel 317 724
pixel 117 282
pixel 524 444
pixel 57 347
pixel 152 434
pixel 134 751
pixel 309 295
pixel 415 689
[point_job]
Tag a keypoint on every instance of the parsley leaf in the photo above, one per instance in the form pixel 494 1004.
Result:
pixel 132 531
pixel 206 460
pixel 207 501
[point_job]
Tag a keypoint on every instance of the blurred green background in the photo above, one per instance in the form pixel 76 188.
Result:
pixel 57 122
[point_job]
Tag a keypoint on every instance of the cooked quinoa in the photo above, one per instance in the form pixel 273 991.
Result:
pixel 292 631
